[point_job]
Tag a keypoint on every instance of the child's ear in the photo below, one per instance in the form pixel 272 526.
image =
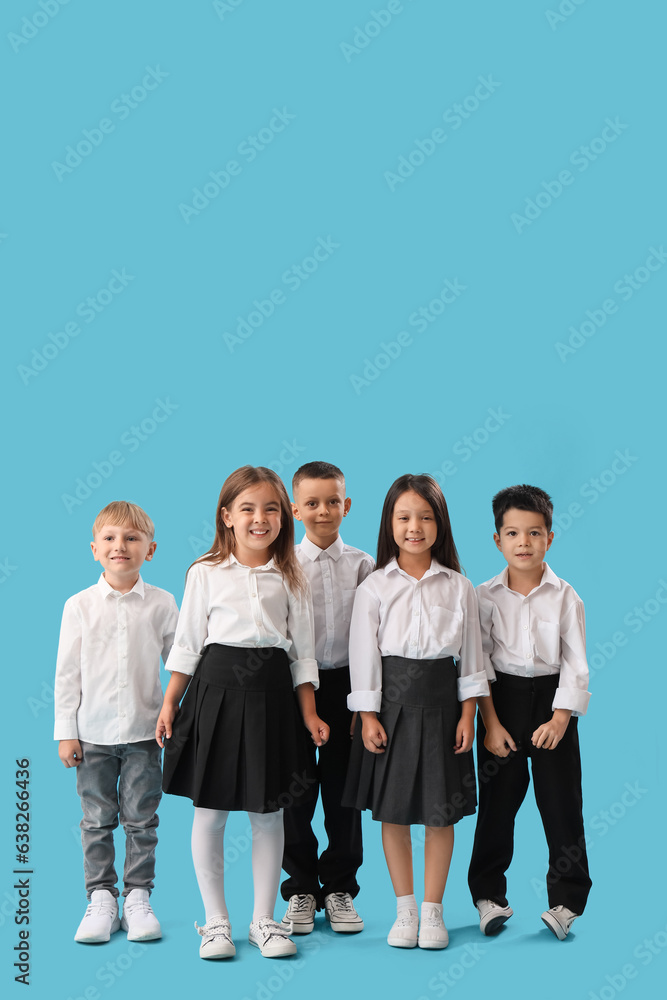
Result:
pixel 151 551
pixel 550 538
pixel 93 549
pixel 496 538
pixel 295 512
pixel 346 506
pixel 226 517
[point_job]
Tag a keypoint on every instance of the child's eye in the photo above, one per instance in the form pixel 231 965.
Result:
pixel 334 503
pixel 511 532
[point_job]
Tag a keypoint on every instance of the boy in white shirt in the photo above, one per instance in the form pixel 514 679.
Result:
pixel 107 700
pixel 533 634
pixel 334 571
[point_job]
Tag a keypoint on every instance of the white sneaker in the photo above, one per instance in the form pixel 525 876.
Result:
pixel 559 920
pixel 272 939
pixel 404 932
pixel 216 939
pixel 100 920
pixel 341 914
pixel 300 916
pixel 492 915
pixel 139 920
pixel 432 931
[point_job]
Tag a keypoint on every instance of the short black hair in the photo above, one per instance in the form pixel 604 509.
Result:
pixel 316 470
pixel 522 498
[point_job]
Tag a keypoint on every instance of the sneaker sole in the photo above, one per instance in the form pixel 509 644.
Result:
pixel 211 957
pixel 150 936
pixel 299 928
pixel 554 926
pixel 494 925
pixel 432 945
pixel 282 953
pixel 99 940
pixel 401 942
pixel 342 927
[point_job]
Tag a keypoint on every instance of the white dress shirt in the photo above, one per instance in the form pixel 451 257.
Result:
pixel 537 635
pixel 246 606
pixel 334 575
pixel 107 687
pixel 396 615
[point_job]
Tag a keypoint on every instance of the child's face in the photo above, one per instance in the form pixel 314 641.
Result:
pixel 255 517
pixel 321 505
pixel 413 524
pixel 523 539
pixel 122 551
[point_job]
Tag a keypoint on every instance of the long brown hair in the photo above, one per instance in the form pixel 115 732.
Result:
pixel 444 550
pixel 282 550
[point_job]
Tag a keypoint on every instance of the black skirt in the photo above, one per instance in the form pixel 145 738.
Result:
pixel 419 778
pixel 238 740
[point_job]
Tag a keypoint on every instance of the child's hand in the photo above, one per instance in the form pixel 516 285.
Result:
pixel 165 722
pixel 353 724
pixel 465 732
pixel 498 741
pixel 70 752
pixel 372 733
pixel 318 730
pixel 549 735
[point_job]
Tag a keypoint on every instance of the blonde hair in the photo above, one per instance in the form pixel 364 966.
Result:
pixel 282 550
pixel 121 513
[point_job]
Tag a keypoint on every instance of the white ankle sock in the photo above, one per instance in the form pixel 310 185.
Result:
pixel 438 906
pixel 406 902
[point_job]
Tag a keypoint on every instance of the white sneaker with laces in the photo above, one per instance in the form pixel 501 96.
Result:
pixel 492 915
pixel 139 920
pixel 272 939
pixel 300 915
pixel 341 914
pixel 559 920
pixel 404 932
pixel 432 931
pixel 100 920
pixel 216 939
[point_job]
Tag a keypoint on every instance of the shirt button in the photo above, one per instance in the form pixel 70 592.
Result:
pixel 121 715
pixel 253 593
pixel 258 624
pixel 123 684
pixel 122 626
pixel 414 642
pixel 525 626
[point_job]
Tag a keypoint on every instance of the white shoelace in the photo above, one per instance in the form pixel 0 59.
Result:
pixel 302 904
pixel 406 918
pixel 341 902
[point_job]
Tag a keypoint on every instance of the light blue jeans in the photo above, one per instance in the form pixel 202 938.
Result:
pixel 122 781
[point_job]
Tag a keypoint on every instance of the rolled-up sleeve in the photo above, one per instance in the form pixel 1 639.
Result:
pixel 365 657
pixel 486 629
pixel 301 633
pixel 572 692
pixel 472 680
pixel 67 688
pixel 192 627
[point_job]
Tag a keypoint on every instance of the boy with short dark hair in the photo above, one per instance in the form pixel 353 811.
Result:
pixel 107 701
pixel 533 635
pixel 334 571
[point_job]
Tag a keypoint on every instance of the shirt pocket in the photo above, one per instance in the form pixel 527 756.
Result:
pixel 446 628
pixel 347 601
pixel 547 642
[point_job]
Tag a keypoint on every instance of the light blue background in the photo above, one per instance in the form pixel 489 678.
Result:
pixel 494 348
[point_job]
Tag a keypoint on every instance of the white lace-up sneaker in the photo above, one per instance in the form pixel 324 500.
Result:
pixel 139 920
pixel 432 931
pixel 300 916
pixel 559 920
pixel 492 915
pixel 341 914
pixel 272 939
pixel 100 920
pixel 216 939
pixel 404 932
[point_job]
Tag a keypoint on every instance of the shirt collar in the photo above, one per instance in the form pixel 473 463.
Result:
pixel 549 578
pixel 314 552
pixel 139 588
pixel 231 559
pixel 435 567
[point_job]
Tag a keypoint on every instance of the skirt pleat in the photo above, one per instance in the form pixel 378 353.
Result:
pixel 238 740
pixel 418 779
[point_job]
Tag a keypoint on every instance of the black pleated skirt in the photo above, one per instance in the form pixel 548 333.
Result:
pixel 238 741
pixel 418 779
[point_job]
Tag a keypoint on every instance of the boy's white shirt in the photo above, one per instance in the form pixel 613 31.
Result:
pixel 107 687
pixel 537 635
pixel 334 575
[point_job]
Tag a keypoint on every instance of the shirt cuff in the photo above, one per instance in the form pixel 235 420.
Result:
pixel 182 660
pixel 473 686
pixel 364 701
pixel 305 672
pixel 573 699
pixel 65 729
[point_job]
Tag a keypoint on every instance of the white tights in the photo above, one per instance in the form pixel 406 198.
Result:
pixel 208 855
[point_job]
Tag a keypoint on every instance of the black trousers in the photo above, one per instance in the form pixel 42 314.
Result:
pixel 523 704
pixel 336 868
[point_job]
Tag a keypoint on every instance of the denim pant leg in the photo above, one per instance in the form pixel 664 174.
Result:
pixel 139 793
pixel 97 783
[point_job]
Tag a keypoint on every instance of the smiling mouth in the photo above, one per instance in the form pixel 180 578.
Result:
pixel 256 531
